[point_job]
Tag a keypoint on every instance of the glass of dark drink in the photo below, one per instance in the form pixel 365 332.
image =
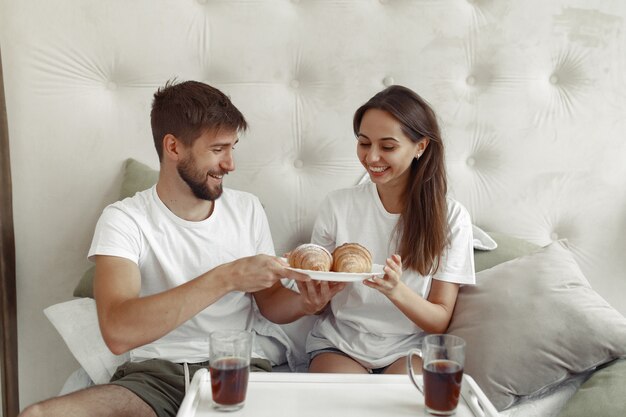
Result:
pixel 229 364
pixel 443 356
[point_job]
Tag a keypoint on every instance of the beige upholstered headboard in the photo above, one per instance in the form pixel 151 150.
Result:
pixel 531 96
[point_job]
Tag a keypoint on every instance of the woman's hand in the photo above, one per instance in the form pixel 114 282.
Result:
pixel 389 283
pixel 433 314
pixel 315 295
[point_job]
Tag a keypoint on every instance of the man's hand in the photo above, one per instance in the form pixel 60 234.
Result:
pixel 259 272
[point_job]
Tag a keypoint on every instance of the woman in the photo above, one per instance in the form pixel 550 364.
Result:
pixel 405 219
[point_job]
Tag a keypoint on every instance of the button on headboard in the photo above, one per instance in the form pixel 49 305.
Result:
pixel 530 95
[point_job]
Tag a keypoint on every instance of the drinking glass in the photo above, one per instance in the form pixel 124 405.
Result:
pixel 229 364
pixel 443 357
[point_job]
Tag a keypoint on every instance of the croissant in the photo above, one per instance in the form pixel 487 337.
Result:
pixel 352 257
pixel 311 257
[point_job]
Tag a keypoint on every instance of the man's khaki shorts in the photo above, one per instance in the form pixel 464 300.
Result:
pixel 161 384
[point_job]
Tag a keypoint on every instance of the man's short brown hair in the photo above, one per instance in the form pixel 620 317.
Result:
pixel 188 109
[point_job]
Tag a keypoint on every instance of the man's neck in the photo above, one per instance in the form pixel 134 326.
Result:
pixel 179 199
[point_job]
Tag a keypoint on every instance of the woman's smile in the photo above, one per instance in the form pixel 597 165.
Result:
pixel 377 170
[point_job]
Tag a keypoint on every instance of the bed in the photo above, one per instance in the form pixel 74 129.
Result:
pixel 530 96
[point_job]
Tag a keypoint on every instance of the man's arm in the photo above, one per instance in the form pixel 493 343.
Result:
pixel 128 320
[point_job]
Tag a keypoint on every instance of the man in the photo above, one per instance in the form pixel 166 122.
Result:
pixel 182 259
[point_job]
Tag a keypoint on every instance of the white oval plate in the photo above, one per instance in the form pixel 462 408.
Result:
pixel 377 271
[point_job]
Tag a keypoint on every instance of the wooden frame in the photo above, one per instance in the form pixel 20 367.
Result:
pixel 8 302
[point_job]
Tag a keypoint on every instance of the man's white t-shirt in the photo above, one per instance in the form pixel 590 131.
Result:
pixel 361 321
pixel 171 251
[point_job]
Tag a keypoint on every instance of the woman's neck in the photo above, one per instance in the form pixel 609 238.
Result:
pixel 392 197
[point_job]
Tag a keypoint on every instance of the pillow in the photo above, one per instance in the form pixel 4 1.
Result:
pixel 77 323
pixel 137 177
pixel 84 288
pixel 508 247
pixel 482 241
pixel 603 395
pixel 531 322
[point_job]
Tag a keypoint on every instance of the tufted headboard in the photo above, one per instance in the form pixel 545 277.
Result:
pixel 531 96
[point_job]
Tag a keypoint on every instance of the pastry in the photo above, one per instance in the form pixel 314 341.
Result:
pixel 311 257
pixel 352 257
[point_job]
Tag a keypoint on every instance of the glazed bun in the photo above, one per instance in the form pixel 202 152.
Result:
pixel 311 257
pixel 352 257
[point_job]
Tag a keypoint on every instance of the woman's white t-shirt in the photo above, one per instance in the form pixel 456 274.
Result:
pixel 171 251
pixel 361 321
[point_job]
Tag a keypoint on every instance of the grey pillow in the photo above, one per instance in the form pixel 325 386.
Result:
pixel 533 321
pixel 137 177
pixel 509 247
pixel 602 395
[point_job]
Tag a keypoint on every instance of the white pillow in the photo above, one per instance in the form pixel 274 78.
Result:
pixel 77 323
pixel 482 241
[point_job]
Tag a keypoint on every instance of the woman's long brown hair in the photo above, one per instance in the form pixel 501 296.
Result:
pixel 423 227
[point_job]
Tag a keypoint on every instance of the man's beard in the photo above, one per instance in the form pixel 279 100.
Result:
pixel 197 181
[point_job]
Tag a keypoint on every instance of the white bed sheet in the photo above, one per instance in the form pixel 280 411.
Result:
pixel 548 404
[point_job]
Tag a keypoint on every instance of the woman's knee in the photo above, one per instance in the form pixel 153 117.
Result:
pixel 328 362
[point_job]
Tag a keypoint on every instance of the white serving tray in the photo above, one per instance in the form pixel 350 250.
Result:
pixel 347 395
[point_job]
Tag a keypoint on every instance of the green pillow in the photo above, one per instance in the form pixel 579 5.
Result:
pixel 508 248
pixel 85 285
pixel 603 395
pixel 137 177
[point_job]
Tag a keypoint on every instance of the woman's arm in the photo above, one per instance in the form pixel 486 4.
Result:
pixel 433 314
